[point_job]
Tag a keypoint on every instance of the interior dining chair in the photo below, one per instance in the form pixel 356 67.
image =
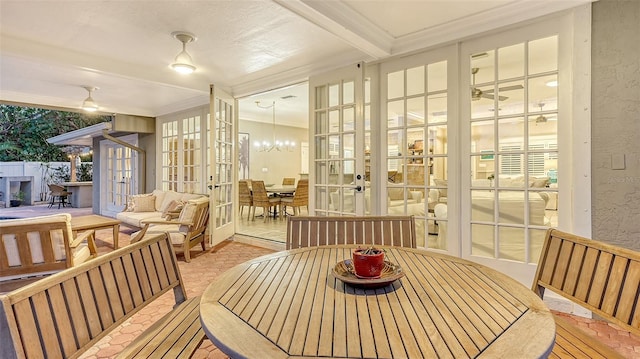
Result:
pixel 246 199
pixel 58 193
pixel 262 199
pixel 299 199
pixel 287 181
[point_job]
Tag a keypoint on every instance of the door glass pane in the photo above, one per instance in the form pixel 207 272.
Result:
pixel 511 243
pixel 415 111
pixel 395 113
pixel 348 93
pixel 543 55
pixel 415 81
pixel 334 121
pixel 437 108
pixel 334 95
pixel 511 61
pixel 510 98
pixel 437 80
pixel 482 240
pixel 349 119
pixel 395 84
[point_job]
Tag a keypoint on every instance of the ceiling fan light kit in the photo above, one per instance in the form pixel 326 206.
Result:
pixel 89 104
pixel 183 63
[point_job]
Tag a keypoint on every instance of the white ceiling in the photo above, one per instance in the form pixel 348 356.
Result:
pixel 50 49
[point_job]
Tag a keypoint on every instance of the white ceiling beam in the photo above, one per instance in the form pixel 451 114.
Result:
pixel 345 23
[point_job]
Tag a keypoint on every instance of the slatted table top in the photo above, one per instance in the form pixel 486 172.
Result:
pixel 289 305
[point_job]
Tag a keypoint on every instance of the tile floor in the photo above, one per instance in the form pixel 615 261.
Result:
pixel 206 266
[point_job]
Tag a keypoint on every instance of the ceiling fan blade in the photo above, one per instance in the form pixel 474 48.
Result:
pixel 491 97
pixel 508 88
pixel 511 88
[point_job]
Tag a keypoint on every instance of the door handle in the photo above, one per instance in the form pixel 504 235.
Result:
pixel 357 188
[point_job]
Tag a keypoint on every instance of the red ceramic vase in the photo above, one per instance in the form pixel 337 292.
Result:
pixel 368 265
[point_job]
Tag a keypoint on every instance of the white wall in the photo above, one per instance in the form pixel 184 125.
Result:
pixel 12 169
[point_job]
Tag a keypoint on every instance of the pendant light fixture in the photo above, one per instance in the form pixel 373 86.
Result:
pixel 183 62
pixel 89 104
pixel 277 145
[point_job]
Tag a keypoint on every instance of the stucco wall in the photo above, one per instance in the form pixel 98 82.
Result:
pixel 616 122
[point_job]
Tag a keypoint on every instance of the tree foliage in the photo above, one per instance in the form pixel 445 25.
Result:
pixel 24 132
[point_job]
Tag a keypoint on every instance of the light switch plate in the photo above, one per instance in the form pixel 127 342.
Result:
pixel 617 161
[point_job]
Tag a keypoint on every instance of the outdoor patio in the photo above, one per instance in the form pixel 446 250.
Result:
pixel 206 266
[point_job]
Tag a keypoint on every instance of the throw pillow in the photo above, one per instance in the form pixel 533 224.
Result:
pixel 131 203
pixel 173 210
pixel 144 204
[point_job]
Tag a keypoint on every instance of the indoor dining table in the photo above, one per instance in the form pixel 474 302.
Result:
pixel 291 304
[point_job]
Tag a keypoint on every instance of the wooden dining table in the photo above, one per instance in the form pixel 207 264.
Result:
pixel 290 305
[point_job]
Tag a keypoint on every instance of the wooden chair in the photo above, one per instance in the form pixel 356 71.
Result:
pixel 288 181
pixel 60 193
pixel 185 232
pixel 600 277
pixel 299 199
pixel 245 197
pixel 38 246
pixel 312 231
pixel 262 199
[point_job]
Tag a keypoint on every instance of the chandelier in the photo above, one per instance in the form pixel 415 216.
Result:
pixel 266 146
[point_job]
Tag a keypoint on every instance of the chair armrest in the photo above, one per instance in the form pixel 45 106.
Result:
pixel 164 222
pixel 89 236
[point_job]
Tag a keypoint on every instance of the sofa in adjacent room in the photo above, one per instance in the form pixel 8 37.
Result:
pixel 155 206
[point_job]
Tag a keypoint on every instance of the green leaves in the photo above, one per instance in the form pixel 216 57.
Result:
pixel 24 132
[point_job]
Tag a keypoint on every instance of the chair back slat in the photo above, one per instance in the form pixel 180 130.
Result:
pixel 306 231
pixel 603 278
pixel 73 309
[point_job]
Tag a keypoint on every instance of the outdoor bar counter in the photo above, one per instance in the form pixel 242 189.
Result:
pixel 81 193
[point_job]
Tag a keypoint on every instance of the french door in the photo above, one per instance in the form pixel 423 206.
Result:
pixel 337 136
pixel 419 96
pixel 221 169
pixel 118 168
pixel 511 137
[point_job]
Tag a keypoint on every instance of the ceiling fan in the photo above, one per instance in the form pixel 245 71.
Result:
pixel 541 118
pixel 477 94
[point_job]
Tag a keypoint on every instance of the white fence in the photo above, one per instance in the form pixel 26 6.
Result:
pixel 41 176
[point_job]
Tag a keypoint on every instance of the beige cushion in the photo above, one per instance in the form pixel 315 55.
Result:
pixel 168 198
pixel 539 182
pixel 173 209
pixel 57 238
pixel 159 197
pixel 144 204
pixel 395 193
pixel 131 201
pixel 441 183
pixel 188 213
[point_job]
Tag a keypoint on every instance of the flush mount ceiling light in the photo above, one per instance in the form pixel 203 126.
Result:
pixel 89 104
pixel 183 63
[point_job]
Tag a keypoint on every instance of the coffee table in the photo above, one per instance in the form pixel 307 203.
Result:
pixel 94 221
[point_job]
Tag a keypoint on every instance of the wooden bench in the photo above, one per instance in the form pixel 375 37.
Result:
pixel 307 231
pixel 63 315
pixel 31 248
pixel 602 278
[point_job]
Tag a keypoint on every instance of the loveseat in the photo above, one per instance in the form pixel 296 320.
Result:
pixel 155 206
